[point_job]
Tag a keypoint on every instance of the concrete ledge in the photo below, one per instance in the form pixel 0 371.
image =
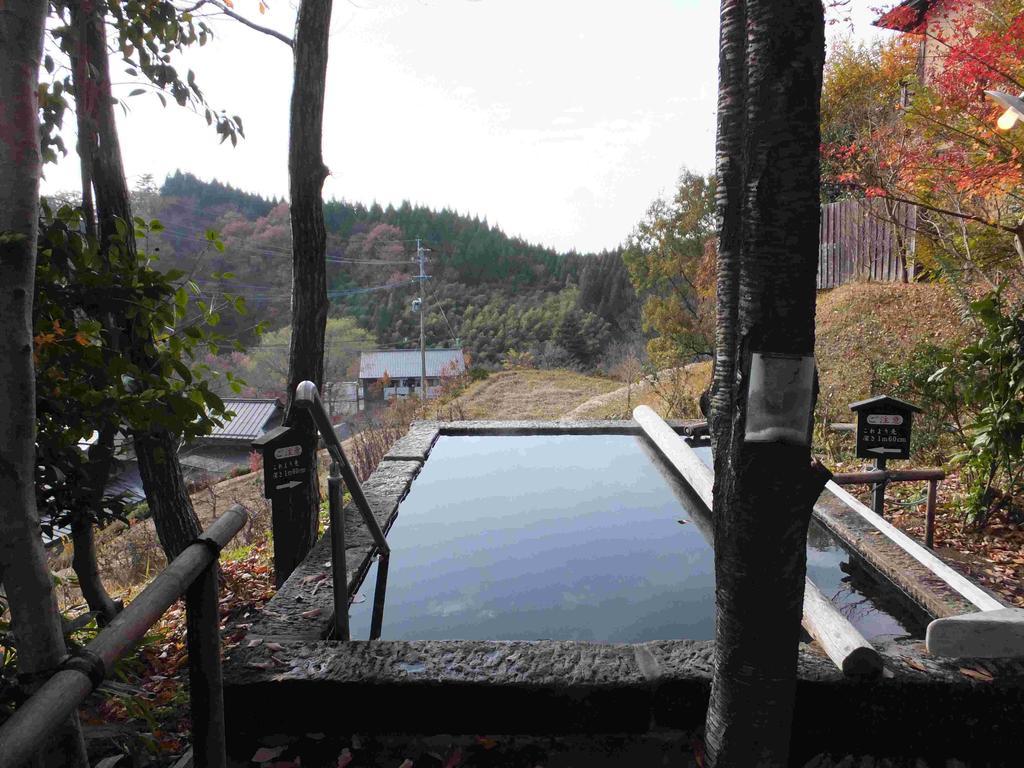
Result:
pixel 415 444
pixel 920 584
pixel 983 635
pixel 593 427
pixel 303 607
pixel 551 687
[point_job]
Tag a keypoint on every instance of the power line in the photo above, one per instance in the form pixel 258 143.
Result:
pixel 440 309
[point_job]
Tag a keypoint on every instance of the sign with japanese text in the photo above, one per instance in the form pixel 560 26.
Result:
pixel 286 462
pixel 884 428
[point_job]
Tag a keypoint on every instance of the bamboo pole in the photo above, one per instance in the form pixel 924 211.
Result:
pixel 25 730
pixel 847 648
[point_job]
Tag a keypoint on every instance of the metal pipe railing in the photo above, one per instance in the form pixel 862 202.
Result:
pixel 308 397
pixel 881 477
pixel 192 573
pixel 339 566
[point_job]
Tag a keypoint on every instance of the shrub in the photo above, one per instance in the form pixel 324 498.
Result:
pixel 976 394
pixel 990 375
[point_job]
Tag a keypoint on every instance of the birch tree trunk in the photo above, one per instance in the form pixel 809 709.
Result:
pixel 767 158
pixel 33 605
pixel 157 451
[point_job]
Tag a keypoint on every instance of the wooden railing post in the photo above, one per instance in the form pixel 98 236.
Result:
pixel 929 520
pixel 206 689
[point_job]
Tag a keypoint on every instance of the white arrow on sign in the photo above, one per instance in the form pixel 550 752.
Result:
pixel 885 450
pixel 292 484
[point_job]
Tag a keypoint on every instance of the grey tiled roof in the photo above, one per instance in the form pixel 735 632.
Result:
pixel 403 363
pixel 250 419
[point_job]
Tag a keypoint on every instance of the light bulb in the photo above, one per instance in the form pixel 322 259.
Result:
pixel 1007 120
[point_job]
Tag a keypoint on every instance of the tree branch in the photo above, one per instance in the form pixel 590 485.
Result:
pixel 242 20
pixel 954 214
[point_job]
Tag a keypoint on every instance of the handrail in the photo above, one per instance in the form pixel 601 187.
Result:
pixel 194 572
pixel 307 397
pixel 883 476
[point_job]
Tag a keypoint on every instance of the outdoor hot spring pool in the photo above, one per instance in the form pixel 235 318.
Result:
pixel 576 537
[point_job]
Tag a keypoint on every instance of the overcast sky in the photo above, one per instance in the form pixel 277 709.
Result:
pixel 558 120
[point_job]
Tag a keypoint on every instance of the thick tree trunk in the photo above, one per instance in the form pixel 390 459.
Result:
pixel 764 492
pixel 175 519
pixel 33 605
pixel 306 174
pixel 165 489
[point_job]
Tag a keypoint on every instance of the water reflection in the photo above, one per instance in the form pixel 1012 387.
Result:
pixel 562 537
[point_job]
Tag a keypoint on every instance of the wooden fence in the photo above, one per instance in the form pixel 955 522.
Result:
pixel 859 241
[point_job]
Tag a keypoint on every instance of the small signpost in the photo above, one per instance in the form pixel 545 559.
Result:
pixel 286 461
pixel 288 468
pixel 883 432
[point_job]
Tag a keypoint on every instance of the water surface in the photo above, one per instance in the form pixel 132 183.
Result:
pixel 568 537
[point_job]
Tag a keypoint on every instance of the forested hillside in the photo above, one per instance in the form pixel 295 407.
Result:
pixel 493 292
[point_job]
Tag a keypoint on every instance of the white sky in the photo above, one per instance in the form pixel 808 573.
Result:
pixel 558 120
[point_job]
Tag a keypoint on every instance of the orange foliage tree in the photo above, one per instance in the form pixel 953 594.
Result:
pixel 925 133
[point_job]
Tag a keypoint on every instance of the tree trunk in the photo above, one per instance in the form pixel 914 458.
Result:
pixel 88 571
pixel 33 605
pixel 165 489
pixel 175 519
pixel 306 174
pixel 101 459
pixel 768 145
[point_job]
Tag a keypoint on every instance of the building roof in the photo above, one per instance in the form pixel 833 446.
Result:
pixel 405 363
pixel 250 419
pixel 905 17
pixel 884 400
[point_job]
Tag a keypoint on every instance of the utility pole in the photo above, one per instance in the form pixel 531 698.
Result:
pixel 421 255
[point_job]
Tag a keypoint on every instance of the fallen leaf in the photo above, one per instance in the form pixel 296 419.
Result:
pixel 916 665
pixel 266 754
pixel 274 646
pixel 260 664
pixel 976 674
pixel 312 613
pixel 360 598
pixel 344 758
pixel 682 522
pixel 254 642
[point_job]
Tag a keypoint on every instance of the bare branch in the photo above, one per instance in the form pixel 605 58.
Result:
pixel 242 20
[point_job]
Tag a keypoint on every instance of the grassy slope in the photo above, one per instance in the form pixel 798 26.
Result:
pixel 860 326
pixel 528 394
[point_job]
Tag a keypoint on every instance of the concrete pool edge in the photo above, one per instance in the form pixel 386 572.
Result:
pixel 299 616
pixel 303 606
pixel 575 687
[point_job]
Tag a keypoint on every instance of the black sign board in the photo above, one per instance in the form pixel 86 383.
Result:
pixel 287 463
pixel 883 427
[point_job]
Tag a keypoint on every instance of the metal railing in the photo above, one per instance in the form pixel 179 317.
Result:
pixel 308 398
pixel 879 478
pixel 192 573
